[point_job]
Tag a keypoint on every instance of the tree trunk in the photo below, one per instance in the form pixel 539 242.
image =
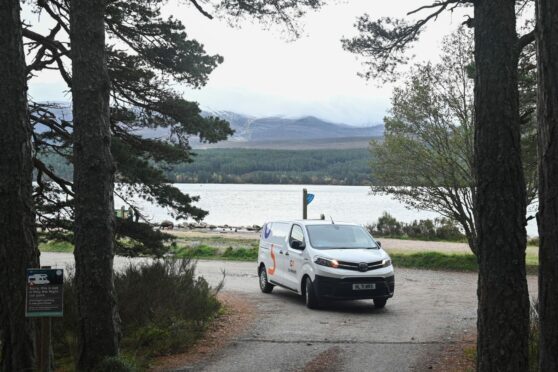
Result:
pixel 503 313
pixel 547 55
pixel 93 183
pixel 17 221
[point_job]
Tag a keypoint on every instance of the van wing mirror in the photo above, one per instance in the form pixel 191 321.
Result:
pixel 379 243
pixel 297 244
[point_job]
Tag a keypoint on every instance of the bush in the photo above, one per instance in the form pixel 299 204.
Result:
pixel 163 308
pixel 533 241
pixel 387 226
pixel 116 364
pixel 437 229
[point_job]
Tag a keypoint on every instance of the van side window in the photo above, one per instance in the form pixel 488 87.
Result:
pixel 296 234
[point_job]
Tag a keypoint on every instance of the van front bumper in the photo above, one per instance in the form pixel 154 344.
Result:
pixel 342 289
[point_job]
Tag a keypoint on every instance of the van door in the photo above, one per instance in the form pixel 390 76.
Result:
pixel 295 256
pixel 275 246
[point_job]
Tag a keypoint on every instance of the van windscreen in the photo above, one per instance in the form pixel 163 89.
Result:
pixel 340 237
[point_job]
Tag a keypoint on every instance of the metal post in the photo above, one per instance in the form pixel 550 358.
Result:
pixel 304 204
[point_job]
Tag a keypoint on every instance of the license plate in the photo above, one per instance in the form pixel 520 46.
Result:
pixel 363 286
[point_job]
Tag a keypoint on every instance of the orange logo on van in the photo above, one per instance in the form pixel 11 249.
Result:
pixel 271 270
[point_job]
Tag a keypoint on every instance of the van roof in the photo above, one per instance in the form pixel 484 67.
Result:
pixel 315 222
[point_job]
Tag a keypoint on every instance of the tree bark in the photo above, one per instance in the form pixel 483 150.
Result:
pixel 547 56
pixel 17 221
pixel 93 183
pixel 503 313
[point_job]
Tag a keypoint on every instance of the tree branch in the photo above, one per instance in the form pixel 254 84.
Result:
pixel 51 44
pixel 525 40
pixel 60 181
pixel 443 5
pixel 200 9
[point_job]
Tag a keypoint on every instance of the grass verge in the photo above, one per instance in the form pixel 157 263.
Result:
pixel 211 253
pixel 56 246
pixel 447 262
pixel 221 248
pixel 435 261
pixel 421 260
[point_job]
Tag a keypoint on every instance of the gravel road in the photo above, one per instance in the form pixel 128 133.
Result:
pixel 429 310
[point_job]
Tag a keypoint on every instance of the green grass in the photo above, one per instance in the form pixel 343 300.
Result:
pixel 420 238
pixel 223 248
pixel 213 253
pixel 201 251
pixel 241 254
pixel 447 262
pixel 422 260
pixel 56 246
pixel 220 242
pixel 435 261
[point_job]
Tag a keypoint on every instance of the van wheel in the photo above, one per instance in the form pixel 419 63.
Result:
pixel 265 286
pixel 310 297
pixel 379 303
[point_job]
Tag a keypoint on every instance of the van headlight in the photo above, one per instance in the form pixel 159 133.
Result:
pixel 386 263
pixel 326 262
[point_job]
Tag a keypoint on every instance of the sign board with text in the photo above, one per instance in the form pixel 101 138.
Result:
pixel 45 293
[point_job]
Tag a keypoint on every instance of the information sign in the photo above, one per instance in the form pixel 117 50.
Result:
pixel 45 293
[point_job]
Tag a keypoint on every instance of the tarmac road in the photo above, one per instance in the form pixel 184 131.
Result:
pixel 429 310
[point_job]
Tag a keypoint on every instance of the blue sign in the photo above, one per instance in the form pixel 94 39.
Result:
pixel 309 198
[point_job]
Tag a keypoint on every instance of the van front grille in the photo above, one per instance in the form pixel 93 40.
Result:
pixel 359 267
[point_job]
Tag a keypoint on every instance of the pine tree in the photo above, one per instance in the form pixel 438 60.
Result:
pixel 18 249
pixel 547 45
pixel 499 197
pixel 152 53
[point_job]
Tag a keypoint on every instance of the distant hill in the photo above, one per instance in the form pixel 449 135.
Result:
pixel 261 152
pixel 280 132
pixel 275 132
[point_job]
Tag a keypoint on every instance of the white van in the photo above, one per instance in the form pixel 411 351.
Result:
pixel 324 260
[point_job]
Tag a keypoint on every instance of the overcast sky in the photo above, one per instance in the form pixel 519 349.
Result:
pixel 264 74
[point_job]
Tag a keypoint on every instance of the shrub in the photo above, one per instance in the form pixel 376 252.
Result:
pixel 116 364
pixel 533 241
pixel 163 308
pixel 437 229
pixel 388 226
